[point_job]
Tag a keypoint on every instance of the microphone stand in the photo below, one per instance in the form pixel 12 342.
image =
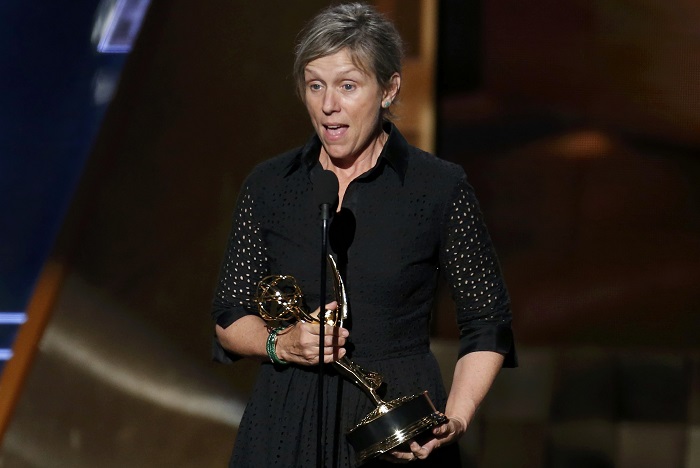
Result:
pixel 325 218
pixel 326 193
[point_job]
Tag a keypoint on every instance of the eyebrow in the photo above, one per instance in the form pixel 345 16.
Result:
pixel 342 72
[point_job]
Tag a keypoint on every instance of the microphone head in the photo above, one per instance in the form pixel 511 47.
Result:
pixel 326 188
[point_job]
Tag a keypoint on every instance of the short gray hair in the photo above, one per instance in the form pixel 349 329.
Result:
pixel 373 42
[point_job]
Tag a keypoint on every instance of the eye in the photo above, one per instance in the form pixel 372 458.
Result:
pixel 348 86
pixel 314 86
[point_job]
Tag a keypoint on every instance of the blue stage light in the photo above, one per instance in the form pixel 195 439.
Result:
pixel 117 24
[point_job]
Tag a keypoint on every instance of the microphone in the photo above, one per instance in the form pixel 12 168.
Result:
pixel 326 192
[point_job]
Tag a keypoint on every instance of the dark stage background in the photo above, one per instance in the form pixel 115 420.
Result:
pixel 578 124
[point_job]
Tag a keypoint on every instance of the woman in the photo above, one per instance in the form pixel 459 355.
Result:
pixel 403 217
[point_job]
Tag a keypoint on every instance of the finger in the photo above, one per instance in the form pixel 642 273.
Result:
pixel 344 332
pixel 442 429
pixel 401 457
pixel 332 350
pixel 446 433
pixel 393 460
pixel 334 341
pixel 339 353
pixel 330 306
pixel 331 330
pixel 331 335
pixel 429 446
pixel 419 451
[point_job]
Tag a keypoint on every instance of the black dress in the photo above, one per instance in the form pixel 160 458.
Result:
pixel 408 219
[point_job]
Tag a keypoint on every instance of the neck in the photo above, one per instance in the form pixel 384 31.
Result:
pixel 350 168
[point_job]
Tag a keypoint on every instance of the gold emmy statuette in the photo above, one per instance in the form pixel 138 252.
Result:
pixel 390 424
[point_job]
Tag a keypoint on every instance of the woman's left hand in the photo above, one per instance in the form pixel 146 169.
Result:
pixel 443 434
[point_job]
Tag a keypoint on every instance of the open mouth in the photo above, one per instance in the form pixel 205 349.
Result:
pixel 335 130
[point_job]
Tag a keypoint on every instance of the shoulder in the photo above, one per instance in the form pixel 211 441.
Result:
pixel 272 170
pixel 418 167
pixel 429 169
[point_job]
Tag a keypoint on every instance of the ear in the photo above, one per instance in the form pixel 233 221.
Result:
pixel 394 87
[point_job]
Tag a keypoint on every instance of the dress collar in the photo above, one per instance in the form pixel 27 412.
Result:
pixel 395 153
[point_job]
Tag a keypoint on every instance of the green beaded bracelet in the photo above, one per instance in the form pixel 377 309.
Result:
pixel 271 344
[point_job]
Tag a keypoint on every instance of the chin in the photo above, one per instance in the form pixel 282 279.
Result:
pixel 336 153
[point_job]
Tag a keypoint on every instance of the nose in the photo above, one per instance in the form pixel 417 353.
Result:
pixel 330 102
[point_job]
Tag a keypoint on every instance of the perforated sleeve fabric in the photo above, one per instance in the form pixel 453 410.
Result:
pixel 473 274
pixel 244 265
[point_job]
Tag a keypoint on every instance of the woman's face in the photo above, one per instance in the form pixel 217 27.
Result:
pixel 344 104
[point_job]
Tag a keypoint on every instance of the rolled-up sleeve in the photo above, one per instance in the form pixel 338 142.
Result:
pixel 473 273
pixel 244 265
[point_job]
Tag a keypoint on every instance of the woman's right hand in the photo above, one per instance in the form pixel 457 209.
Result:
pixel 299 343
